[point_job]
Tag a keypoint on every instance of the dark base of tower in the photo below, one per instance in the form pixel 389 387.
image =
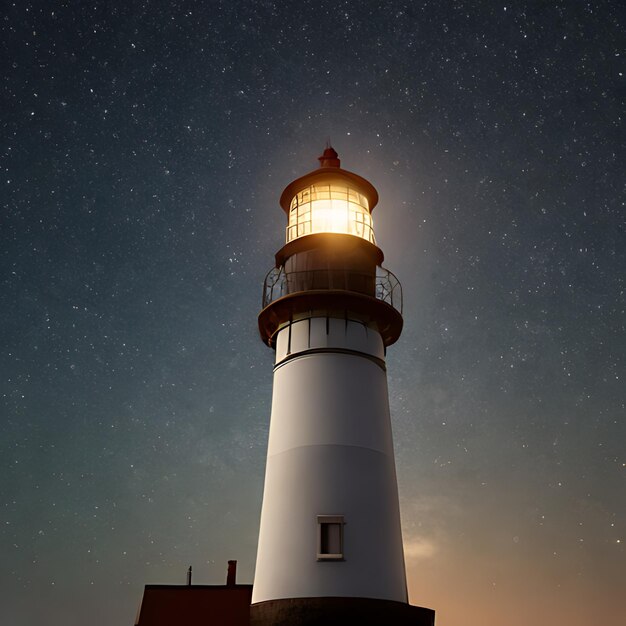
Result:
pixel 338 612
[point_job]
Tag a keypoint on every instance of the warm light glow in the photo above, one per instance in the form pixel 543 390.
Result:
pixel 329 218
pixel 330 208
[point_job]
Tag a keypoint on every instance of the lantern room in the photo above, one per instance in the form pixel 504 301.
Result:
pixel 330 207
pixel 329 200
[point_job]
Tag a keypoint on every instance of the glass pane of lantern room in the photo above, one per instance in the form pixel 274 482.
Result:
pixel 330 208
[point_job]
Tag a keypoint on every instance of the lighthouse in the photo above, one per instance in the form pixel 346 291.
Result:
pixel 330 540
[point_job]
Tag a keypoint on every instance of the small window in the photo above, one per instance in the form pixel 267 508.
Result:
pixel 330 537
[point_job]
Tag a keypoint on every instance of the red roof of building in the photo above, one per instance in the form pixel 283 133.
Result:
pixel 195 605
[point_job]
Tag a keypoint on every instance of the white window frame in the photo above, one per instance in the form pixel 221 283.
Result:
pixel 330 519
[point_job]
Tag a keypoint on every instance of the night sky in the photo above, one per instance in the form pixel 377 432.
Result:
pixel 144 146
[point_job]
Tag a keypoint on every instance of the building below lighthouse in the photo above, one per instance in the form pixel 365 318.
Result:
pixel 330 540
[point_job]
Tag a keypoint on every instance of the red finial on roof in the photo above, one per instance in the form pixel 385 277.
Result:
pixel 330 158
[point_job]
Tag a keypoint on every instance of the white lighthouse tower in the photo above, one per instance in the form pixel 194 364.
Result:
pixel 330 542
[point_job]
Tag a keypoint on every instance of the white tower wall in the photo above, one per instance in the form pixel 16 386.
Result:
pixel 330 454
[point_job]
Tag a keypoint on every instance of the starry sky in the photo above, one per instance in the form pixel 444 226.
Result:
pixel 144 146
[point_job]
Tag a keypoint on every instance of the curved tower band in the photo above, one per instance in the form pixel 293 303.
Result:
pixel 330 542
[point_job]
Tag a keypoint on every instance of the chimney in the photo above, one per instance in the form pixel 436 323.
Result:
pixel 231 579
pixel 189 577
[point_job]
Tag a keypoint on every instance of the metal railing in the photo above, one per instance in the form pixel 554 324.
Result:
pixel 383 286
